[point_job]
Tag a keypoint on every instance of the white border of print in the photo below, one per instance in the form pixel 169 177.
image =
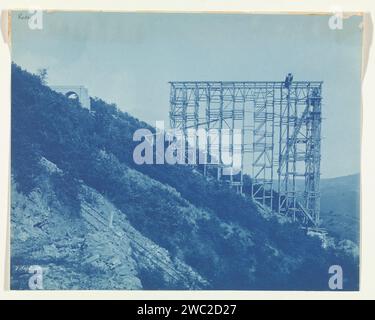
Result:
pixel 367 282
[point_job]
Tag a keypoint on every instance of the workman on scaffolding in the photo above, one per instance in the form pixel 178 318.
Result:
pixel 288 80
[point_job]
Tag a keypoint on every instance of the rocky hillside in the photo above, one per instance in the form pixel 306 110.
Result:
pixel 92 219
pixel 99 248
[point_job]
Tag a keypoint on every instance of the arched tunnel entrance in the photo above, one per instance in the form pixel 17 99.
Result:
pixel 72 95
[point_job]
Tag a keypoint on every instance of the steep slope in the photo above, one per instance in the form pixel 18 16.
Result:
pixel 212 236
pixel 96 249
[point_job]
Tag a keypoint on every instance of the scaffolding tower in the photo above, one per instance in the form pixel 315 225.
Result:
pixel 280 125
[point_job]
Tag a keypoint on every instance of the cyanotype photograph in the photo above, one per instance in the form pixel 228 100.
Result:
pixel 185 151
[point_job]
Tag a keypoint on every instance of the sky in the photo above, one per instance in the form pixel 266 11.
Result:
pixel 128 59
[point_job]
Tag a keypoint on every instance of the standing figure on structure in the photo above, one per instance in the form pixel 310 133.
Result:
pixel 288 80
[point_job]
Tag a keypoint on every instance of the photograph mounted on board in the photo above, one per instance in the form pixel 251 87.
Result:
pixel 185 151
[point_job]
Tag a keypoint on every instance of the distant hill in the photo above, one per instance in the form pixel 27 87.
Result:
pixel 84 211
pixel 340 206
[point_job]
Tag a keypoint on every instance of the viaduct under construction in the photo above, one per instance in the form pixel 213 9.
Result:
pixel 280 125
